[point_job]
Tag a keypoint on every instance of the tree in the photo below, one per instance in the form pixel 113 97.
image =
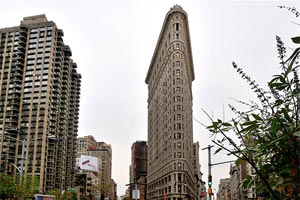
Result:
pixel 268 132
pixel 11 188
pixel 102 186
pixel 65 195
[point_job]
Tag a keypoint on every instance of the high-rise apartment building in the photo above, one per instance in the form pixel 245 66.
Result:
pixel 105 152
pixel 39 106
pixel 138 168
pixel 170 171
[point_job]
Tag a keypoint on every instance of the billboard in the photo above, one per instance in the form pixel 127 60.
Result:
pixel 44 197
pixel 88 163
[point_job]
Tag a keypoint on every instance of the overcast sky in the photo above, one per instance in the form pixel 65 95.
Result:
pixel 113 42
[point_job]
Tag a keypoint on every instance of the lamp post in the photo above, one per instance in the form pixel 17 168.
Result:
pixel 20 169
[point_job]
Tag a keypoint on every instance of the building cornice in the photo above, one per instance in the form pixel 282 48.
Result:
pixel 173 10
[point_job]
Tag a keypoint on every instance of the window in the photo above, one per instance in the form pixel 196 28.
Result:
pixel 177 126
pixel 177 108
pixel 177 26
pixel 179 145
pixel 178 117
pixel 178 135
pixel 178 155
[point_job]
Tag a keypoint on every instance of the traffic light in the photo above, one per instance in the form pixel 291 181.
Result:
pixel 209 180
pixel 202 194
pixel 10 168
pixel 209 191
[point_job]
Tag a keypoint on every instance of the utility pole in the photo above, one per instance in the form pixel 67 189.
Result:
pixel 22 160
pixel 209 171
pixel 135 193
pixel 135 188
pixel 210 193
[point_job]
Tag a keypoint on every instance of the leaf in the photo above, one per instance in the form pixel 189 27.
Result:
pixel 294 56
pixel 286 116
pixel 297 134
pixel 296 40
pixel 218 150
pixel 226 124
pixel 257 117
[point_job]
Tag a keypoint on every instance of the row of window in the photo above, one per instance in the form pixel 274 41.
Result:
pixel 37 72
pixel 161 187
pixel 35 89
pixel 35 30
pixel 40 54
pixel 40 50
pixel 34 45
pixel 38 66
pixel 38 61
pixel 42 33
pixel 29 84
pixel 41 39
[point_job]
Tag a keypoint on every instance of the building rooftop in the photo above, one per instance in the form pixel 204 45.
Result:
pixel 35 19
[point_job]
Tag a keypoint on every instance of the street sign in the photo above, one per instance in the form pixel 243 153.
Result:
pixel 136 194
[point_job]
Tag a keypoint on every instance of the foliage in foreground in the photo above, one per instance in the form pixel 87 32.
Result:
pixel 66 195
pixel 12 188
pixel 269 131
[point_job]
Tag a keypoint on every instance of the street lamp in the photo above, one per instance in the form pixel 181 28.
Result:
pixel 20 169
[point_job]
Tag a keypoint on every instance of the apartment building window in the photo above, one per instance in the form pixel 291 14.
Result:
pixel 32 46
pixel 40 46
pixel 31 51
pixel 34 30
pixel 33 35
pixel 32 41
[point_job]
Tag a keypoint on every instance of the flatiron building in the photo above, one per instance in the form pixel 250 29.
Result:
pixel 171 170
pixel 39 106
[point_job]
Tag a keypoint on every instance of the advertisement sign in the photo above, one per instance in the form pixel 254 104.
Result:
pixel 88 163
pixel 44 197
